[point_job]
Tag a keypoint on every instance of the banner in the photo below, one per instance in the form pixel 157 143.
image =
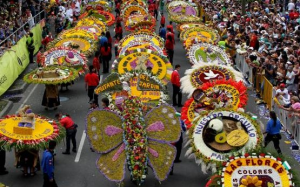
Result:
pixel 14 61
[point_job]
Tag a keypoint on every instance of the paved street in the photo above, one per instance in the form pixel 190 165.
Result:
pixel 79 170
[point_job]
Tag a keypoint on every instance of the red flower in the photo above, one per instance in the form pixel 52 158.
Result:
pixel 136 157
pixel 231 158
pixel 224 163
pixel 278 159
pixel 262 154
pixel 246 155
pixel 136 167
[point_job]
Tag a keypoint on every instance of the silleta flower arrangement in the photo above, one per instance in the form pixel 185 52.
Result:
pixel 218 134
pixel 142 36
pixel 51 75
pixel 45 130
pixel 205 33
pixel 204 52
pixel 77 33
pixel 135 139
pixel 207 72
pixel 256 168
pixel 130 9
pixel 90 20
pixel 101 15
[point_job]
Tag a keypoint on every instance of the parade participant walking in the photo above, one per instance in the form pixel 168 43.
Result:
pixel 106 56
pixel 273 132
pixel 48 165
pixel 96 63
pixel 71 130
pixel 91 82
pixel 175 80
pixel 162 31
pixel 170 48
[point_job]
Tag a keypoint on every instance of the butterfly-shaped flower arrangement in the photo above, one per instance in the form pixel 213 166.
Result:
pixel 134 139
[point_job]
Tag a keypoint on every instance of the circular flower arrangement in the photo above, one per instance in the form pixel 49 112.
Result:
pixel 134 44
pixel 92 29
pixel 139 21
pixel 133 9
pixel 202 73
pixel 205 34
pixel 64 56
pixel 83 45
pixel 45 130
pixel 133 2
pixel 182 12
pixel 215 95
pixel 182 8
pixel 51 75
pixel 92 21
pixel 101 15
pixel 220 132
pixel 204 52
pixel 257 169
pixel 77 33
pixel 98 5
pixel 184 26
pixel 141 59
pixel 142 37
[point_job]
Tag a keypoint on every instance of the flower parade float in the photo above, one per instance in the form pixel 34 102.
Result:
pixel 51 75
pixel 64 56
pixel 214 95
pixel 77 33
pixel 27 130
pixel 182 11
pixel 183 26
pixel 257 168
pixel 91 28
pixel 98 5
pixel 92 21
pixel 84 45
pixel 133 9
pixel 214 136
pixel 134 139
pixel 142 84
pixel 199 34
pixel 207 53
pixel 142 37
pixel 143 59
pixel 138 21
pixel 207 72
pixel 101 15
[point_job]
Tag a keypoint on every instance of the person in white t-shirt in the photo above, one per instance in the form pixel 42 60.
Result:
pixel 290 78
pixel 291 6
pixel 282 94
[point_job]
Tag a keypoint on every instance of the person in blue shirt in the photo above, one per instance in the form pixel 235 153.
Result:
pixel 102 40
pixel 48 166
pixel 273 132
pixel 162 31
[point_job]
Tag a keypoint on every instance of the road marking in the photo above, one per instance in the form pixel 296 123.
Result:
pixel 26 99
pixel 83 137
pixel 80 146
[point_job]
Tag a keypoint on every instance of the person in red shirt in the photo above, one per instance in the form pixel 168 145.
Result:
pixel 119 31
pixel 46 40
pixel 96 63
pixel 105 52
pixel 91 82
pixel 170 48
pixel 169 33
pixel 170 26
pixel 254 41
pixel 71 130
pixel 175 80
pixel 162 19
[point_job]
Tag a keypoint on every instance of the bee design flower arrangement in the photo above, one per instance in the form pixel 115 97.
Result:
pixel 134 139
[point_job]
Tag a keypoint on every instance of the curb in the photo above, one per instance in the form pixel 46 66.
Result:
pixel 20 90
pixel 6 108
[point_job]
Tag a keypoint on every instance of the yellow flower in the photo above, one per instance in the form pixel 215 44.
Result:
pixel 251 181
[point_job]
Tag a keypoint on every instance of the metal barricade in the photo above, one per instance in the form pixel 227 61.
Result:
pixel 267 92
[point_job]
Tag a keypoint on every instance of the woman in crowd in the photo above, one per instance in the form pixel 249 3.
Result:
pixel 105 52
